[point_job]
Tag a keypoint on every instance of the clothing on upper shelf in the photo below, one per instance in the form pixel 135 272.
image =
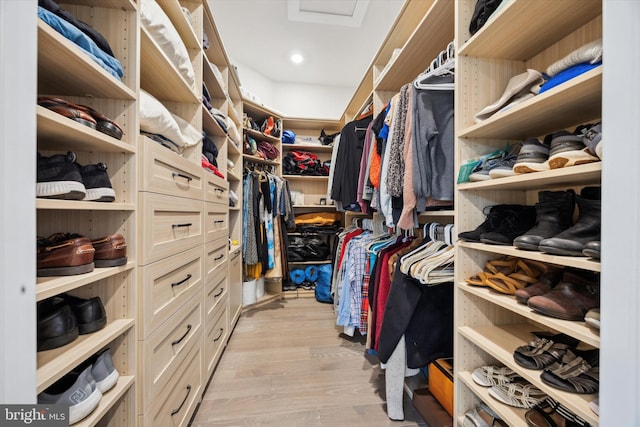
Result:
pixel 75 35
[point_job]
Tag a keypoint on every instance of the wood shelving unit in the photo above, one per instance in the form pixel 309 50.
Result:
pixel 521 35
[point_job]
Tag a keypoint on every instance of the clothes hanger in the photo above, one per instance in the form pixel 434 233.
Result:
pixel 443 64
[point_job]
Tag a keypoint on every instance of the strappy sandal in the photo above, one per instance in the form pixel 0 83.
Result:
pixel 526 273
pixel 504 265
pixel 488 376
pixel 576 374
pixel 550 413
pixel 544 351
pixel 482 416
pixel 517 395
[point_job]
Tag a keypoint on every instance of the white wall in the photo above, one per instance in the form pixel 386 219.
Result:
pixel 295 99
pixel 311 101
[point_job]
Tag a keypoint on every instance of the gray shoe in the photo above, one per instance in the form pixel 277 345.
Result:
pixel 533 157
pixel 104 372
pixel 505 165
pixel 77 390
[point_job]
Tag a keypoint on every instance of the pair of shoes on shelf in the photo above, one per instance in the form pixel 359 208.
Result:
pixel 82 388
pixel 554 231
pixel 62 318
pixel 61 177
pixel 482 416
pixel 503 223
pixel 561 149
pixel 64 254
pixel 568 297
pixel 498 167
pixel 507 387
pixel 509 274
pixel 550 413
pixel 82 114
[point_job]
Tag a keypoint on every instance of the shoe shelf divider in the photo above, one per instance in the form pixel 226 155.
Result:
pixel 91 85
pixel 488 325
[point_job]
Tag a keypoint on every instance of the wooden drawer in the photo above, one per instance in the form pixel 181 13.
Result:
pixel 216 221
pixel 217 333
pixel 216 290
pixel 165 285
pixel 169 225
pixel 166 349
pixel 216 189
pixel 174 405
pixel 216 254
pixel 163 171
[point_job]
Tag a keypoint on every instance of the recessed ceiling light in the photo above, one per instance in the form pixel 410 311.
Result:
pixel 296 58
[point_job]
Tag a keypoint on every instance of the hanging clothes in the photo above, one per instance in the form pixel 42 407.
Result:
pixel 344 188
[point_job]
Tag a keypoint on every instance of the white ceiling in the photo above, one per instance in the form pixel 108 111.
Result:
pixel 336 47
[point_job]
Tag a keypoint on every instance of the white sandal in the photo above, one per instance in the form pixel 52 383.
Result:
pixel 517 395
pixel 488 376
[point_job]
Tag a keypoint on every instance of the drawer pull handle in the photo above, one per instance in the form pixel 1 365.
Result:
pixel 219 293
pixel 181 281
pixel 235 255
pixel 188 178
pixel 219 335
pixel 175 411
pixel 179 340
pixel 218 221
pixel 218 189
pixel 218 257
pixel 187 224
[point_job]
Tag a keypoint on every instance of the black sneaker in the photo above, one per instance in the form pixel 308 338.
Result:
pixel 58 177
pixel 96 181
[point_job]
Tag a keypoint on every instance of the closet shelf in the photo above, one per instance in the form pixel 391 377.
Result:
pixel 80 205
pixel 431 214
pixel 210 125
pixel 53 364
pixel 325 261
pixel 579 330
pixel 234 114
pixel 232 176
pixel 259 136
pixel 306 177
pixel 586 174
pixel 430 37
pixel 174 11
pixel 316 148
pixel 159 76
pixel 216 87
pixel 58 133
pixel 113 4
pixel 568 261
pixel 233 149
pixel 527 37
pixel 514 417
pixel 87 78
pixel 50 286
pixel 108 400
pixel 574 102
pixel 256 159
pixel 501 341
pixel 235 208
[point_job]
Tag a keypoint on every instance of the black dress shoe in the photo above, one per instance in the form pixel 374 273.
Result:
pixel 57 325
pixel 90 313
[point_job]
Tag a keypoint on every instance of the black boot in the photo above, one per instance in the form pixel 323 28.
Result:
pixel 494 217
pixel 554 214
pixel 516 222
pixel 572 241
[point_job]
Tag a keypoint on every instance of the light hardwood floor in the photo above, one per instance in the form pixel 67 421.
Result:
pixel 287 364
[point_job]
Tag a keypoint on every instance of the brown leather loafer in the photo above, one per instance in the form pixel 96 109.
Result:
pixel 111 251
pixel 570 299
pixel 64 255
pixel 82 114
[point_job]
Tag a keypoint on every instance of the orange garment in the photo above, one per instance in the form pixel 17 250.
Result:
pixel 374 172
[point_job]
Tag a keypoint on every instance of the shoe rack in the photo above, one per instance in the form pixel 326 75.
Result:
pixel 65 71
pixel 520 35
